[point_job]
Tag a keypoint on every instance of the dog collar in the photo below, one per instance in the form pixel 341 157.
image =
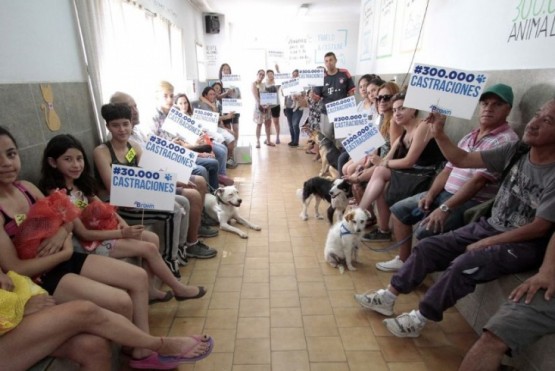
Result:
pixel 220 201
pixel 343 231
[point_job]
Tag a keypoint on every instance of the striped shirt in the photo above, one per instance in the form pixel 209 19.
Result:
pixel 470 143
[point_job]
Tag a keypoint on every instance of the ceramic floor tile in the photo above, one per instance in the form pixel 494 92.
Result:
pixel 290 360
pixel 224 300
pixel 254 307
pixel 287 339
pixel 256 275
pixel 286 317
pixel 255 291
pixel 252 352
pixel 358 338
pixel 283 283
pixel 311 306
pixel 253 327
pixel 360 361
pixel 325 349
pixel 284 299
pixel 320 325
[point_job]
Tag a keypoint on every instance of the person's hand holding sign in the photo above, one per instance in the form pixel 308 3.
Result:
pixel 436 122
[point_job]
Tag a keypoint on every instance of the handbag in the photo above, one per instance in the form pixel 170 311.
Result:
pixel 408 182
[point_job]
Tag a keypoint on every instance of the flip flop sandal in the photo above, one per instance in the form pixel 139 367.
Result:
pixel 201 293
pixel 183 358
pixel 154 362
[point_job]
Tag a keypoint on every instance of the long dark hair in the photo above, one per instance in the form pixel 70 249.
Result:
pixel 222 68
pixel 183 95
pixel 4 131
pixel 51 178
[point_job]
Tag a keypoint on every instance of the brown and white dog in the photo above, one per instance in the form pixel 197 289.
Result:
pixel 344 237
pixel 224 204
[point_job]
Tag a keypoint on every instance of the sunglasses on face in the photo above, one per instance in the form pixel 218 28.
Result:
pixel 385 98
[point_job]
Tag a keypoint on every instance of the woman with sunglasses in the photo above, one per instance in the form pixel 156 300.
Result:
pixel 358 174
pixel 415 148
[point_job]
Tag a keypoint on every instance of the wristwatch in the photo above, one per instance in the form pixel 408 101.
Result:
pixel 444 208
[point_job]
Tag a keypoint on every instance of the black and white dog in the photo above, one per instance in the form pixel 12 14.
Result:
pixel 336 192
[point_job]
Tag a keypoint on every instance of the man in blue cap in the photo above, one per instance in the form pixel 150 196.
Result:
pixel 512 240
pixel 455 190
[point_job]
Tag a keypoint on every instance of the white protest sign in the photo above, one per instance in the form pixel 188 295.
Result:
pixel 164 155
pixel 363 142
pixel 451 92
pixel 281 77
pixel 181 125
pixel 291 87
pixel 345 126
pixel 268 99
pixel 342 107
pixel 143 189
pixel 229 81
pixel 207 119
pixel 314 77
pixel 231 105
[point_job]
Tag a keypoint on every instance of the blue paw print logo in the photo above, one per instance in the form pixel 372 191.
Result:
pixel 481 78
pixel 168 177
pixel 191 155
pixel 369 151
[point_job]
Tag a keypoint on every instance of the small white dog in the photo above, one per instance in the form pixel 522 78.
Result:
pixel 344 238
pixel 225 204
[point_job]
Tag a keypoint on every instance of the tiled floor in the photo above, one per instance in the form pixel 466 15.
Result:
pixel 274 304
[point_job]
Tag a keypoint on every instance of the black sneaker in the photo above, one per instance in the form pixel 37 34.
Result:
pixel 377 236
pixel 182 256
pixel 173 264
pixel 208 221
pixel 201 251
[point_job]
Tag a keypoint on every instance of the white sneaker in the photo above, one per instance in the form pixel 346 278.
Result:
pixel 376 302
pixel 392 265
pixel 407 325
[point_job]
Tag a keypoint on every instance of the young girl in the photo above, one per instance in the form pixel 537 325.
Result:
pixel 66 275
pixel 80 331
pixel 65 166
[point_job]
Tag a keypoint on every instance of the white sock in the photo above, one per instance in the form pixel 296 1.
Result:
pixel 420 317
pixel 192 243
pixel 389 297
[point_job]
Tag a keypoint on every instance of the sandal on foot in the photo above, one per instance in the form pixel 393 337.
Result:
pixel 257 144
pixel 167 297
pixel 201 293
pixel 269 143
pixel 184 358
pixel 154 362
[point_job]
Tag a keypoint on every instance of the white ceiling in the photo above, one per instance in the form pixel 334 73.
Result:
pixel 278 12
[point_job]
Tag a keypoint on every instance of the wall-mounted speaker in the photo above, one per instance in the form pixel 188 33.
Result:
pixel 212 23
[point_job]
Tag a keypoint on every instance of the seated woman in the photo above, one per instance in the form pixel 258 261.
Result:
pixel 120 150
pixel 80 330
pixel 218 149
pixel 359 173
pixel 63 273
pixel 65 166
pixel 413 148
pixel 208 101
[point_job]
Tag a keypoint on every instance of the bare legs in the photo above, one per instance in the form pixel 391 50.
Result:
pixel 79 330
pixel 485 355
pixel 275 121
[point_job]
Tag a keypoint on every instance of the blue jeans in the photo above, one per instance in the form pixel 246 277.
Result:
pixel 209 170
pixel 220 150
pixel 408 212
pixel 294 120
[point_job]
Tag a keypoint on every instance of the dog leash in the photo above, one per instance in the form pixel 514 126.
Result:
pixel 391 247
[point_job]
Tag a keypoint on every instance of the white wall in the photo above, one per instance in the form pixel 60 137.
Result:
pixel 39 42
pixel 469 34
